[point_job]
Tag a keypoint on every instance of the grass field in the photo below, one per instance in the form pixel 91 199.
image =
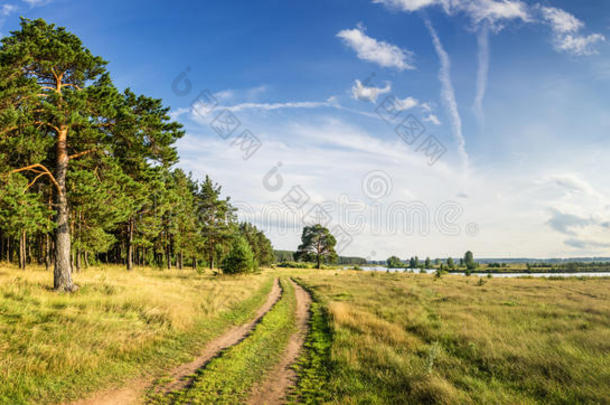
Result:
pixel 55 347
pixel 410 338
pixel 375 338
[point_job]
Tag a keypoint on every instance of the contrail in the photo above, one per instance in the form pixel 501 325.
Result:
pixel 448 93
pixel 482 73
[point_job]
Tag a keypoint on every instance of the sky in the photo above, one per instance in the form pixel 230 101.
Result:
pixel 407 127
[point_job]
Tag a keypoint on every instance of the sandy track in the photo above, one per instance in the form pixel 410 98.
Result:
pixel 180 376
pixel 274 388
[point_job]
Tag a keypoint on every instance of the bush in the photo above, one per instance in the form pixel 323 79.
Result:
pixel 240 259
pixel 295 265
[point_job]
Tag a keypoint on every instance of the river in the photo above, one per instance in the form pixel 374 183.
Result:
pixel 431 271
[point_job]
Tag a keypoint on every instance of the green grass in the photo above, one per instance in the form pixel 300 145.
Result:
pixel 411 338
pixel 229 378
pixel 314 366
pixel 118 326
pixel 375 338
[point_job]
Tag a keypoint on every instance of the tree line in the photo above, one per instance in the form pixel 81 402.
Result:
pixel 88 172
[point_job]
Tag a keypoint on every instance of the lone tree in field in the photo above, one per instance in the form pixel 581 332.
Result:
pixel 317 243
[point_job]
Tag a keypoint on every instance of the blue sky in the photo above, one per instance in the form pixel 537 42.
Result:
pixel 516 94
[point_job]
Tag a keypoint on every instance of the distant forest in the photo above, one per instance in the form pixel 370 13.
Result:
pixel 282 256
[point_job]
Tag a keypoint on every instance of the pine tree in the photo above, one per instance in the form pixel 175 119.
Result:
pixel 259 243
pixel 317 243
pixel 216 220
pixel 22 213
pixel 240 258
pixel 57 98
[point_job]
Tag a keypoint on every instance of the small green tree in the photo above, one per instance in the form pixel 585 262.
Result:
pixel 240 258
pixel 469 261
pixel 394 262
pixel 450 263
pixel 428 263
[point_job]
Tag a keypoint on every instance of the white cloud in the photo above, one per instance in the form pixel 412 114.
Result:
pixel 7 9
pixel 278 106
pixel 35 3
pixel 578 45
pixel 202 112
pixel 372 50
pixel 433 119
pixel 478 10
pixel 364 93
pixel 482 73
pixel 572 184
pixel 448 94
pixel 560 20
pixel 225 94
pixel 493 11
pixel 565 26
pixel 409 5
pixel 405 103
pixel 566 36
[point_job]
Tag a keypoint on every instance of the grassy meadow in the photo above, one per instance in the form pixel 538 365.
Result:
pixel 375 338
pixel 118 326
pixel 412 338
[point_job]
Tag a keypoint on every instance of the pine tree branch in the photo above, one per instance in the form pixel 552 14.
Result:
pixel 79 154
pixel 71 85
pixel 44 172
pixel 35 180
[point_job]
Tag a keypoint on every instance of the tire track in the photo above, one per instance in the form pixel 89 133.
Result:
pixel 182 376
pixel 282 377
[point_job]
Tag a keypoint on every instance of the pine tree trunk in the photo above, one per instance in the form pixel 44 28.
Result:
pixel 130 244
pixel 28 256
pixel 62 274
pixel 47 252
pixel 78 260
pixel 180 258
pixel 22 250
pixel 86 259
pixel 194 263
pixel 169 257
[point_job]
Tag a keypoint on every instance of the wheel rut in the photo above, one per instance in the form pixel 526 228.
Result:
pixel 282 378
pixel 182 376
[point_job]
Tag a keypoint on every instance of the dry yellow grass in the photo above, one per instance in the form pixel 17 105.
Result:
pixel 117 326
pixel 410 338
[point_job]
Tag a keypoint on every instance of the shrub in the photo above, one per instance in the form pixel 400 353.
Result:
pixel 240 259
pixel 295 265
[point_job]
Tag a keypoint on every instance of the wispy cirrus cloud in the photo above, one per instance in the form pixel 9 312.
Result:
pixel 379 52
pixel 482 73
pixel 35 3
pixel 448 94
